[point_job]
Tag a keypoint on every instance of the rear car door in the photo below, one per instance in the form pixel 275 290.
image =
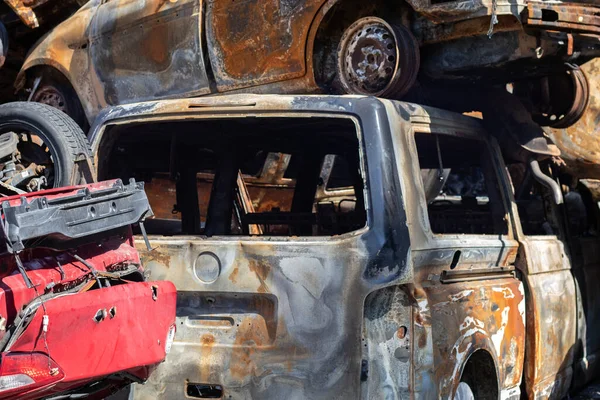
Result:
pixel 148 49
pixel 551 311
pixel 255 42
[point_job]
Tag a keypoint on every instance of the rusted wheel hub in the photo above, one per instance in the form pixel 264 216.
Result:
pixel 51 96
pixel 376 58
pixel 558 100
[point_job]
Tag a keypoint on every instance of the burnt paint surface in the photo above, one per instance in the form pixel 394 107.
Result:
pixel 147 49
pixel 277 322
pixel 340 317
pixel 579 145
pixel 297 301
pixel 551 317
pixel 258 41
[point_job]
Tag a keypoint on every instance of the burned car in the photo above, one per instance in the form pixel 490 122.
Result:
pixel 22 24
pixel 354 247
pixel 121 51
pixel 77 316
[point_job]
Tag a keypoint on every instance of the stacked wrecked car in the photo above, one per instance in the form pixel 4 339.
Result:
pixel 322 246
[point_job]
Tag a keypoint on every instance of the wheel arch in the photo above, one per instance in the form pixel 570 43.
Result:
pixel 480 371
pixel 49 68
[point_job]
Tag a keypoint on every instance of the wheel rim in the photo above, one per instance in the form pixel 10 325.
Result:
pixel 51 96
pixel 376 58
pixel 34 154
pixel 559 100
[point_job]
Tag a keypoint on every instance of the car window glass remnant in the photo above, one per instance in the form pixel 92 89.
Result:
pixel 251 176
pixel 461 186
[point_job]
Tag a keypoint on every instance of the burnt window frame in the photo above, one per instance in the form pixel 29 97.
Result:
pixel 496 162
pixel 100 140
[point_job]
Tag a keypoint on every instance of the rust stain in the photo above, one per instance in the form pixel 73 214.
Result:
pixel 251 335
pixel 234 274
pixel 259 41
pixel 422 341
pixel 262 272
pixel 156 255
pixel 155 46
pixel 207 341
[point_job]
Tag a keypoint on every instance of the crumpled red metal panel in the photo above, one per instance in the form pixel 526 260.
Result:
pixel 134 337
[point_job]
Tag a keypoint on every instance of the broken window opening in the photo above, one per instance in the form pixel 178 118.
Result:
pixel 461 186
pixel 534 202
pixel 251 176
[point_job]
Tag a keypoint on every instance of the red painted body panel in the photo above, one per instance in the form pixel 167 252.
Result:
pixel 129 341
pixel 42 269
pixel 87 350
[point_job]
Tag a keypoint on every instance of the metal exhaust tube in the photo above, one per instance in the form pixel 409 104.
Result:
pixel 546 181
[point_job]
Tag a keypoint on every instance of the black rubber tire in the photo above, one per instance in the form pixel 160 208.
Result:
pixel 65 139
pixel 54 81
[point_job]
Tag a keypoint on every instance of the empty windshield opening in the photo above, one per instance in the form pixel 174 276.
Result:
pixel 250 176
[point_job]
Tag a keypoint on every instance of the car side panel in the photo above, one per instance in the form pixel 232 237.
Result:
pixel 147 49
pixel 551 317
pixel 258 41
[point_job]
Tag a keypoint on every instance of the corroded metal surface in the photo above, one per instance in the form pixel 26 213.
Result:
pixel 256 42
pixel 24 9
pixel 571 17
pixel 122 51
pixel 579 144
pixel 316 318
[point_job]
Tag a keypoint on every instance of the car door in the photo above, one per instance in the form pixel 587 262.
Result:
pixel 463 253
pixel 148 49
pixel 551 311
pixel 254 42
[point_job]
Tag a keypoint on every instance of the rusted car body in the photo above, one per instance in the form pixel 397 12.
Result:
pixel 28 10
pixel 78 318
pixel 119 51
pixel 385 290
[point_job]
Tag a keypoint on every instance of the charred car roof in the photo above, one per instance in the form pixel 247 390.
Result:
pixel 231 105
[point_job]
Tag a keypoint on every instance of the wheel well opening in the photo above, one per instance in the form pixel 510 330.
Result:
pixel 480 374
pixel 46 72
pixel 339 17
pixel 53 77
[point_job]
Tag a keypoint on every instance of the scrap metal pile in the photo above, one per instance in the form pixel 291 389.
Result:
pixel 75 70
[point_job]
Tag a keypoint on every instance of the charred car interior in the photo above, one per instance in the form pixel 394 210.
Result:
pixel 461 185
pixel 254 176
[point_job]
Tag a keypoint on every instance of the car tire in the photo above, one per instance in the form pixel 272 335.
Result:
pixel 68 146
pixel 464 392
pixel 376 58
pixel 56 91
